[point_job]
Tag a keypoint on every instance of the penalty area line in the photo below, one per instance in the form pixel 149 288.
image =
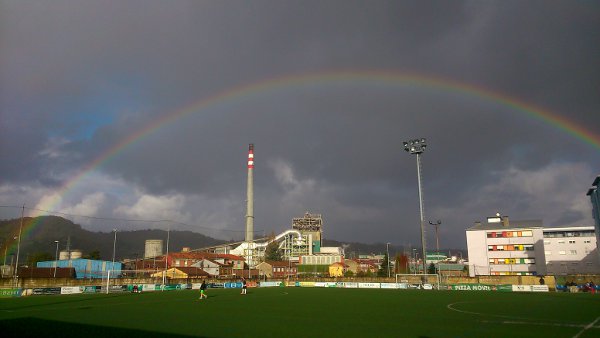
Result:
pixel 514 322
pixel 587 327
pixel 451 307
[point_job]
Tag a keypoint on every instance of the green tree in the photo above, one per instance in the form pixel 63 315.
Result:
pixel 93 255
pixel 383 269
pixel 431 269
pixel 39 257
pixel 272 252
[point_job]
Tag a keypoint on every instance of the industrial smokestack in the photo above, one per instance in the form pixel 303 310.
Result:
pixel 250 196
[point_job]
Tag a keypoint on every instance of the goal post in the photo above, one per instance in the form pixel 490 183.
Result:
pixel 423 281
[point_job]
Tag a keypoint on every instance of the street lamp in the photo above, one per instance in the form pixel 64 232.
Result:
pixel 437 239
pixel 56 256
pixel 16 272
pixel 415 260
pixel 417 147
pixel 387 249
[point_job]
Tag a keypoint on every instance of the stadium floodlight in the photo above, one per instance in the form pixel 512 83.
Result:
pixel 417 147
pixel 56 255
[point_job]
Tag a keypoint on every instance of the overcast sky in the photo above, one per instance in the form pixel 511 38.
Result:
pixel 78 78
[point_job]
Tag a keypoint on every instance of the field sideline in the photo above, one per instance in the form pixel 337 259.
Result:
pixel 305 312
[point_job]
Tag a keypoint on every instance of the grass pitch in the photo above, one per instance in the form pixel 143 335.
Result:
pixel 304 312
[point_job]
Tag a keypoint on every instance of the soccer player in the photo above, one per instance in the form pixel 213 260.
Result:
pixel 203 290
pixel 243 286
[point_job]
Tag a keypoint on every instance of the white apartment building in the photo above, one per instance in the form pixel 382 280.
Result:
pixel 571 250
pixel 500 247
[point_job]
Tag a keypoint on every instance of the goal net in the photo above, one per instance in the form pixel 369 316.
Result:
pixel 421 281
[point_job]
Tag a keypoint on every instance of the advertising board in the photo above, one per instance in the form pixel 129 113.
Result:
pixel 390 285
pixel 369 285
pixel 6 293
pixel 69 290
pixel 46 291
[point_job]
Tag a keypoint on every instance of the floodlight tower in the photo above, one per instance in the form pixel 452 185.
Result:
pixel 417 147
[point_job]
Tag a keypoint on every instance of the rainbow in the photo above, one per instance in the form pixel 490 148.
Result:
pixel 375 77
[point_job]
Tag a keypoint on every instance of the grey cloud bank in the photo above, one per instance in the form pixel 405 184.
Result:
pixel 77 79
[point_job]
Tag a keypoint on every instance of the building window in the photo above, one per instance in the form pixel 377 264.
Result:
pixel 571 242
pixel 562 241
pixel 546 242
pixel 562 252
pixel 587 241
pixel 573 252
pixel 548 253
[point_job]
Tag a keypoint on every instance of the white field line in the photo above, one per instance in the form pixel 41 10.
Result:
pixel 587 327
pixel 515 322
pixel 451 307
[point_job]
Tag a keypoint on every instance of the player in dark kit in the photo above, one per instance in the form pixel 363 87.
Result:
pixel 243 286
pixel 203 290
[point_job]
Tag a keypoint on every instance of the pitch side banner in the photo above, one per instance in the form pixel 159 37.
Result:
pixel 149 287
pixel 530 288
pixel 91 289
pixel 270 284
pixel 350 285
pixel 369 285
pixel 46 291
pixel 307 284
pixel 7 293
pixel 480 287
pixel 391 285
pixel 325 284
pixel 69 290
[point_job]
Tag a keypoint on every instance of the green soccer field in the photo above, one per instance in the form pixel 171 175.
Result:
pixel 305 312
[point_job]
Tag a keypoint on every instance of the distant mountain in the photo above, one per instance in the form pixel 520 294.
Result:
pixel 39 234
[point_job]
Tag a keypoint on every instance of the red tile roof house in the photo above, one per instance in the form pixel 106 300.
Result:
pixel 215 268
pixel 277 269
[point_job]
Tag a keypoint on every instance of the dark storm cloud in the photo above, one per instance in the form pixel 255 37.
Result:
pixel 78 78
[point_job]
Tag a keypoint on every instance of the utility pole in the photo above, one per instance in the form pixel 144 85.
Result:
pixel 19 244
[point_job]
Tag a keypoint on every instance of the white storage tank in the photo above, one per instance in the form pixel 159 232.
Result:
pixel 75 254
pixel 153 248
pixel 64 254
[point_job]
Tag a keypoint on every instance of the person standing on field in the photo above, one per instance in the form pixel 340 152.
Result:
pixel 243 286
pixel 203 290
